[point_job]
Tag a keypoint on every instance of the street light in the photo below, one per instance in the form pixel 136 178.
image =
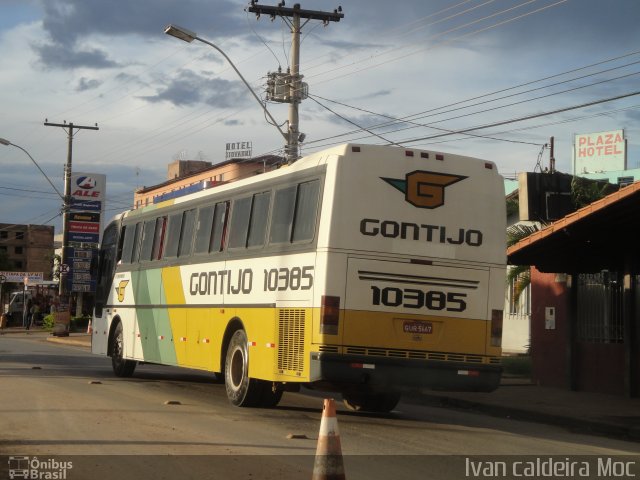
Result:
pixel 189 36
pixel 8 143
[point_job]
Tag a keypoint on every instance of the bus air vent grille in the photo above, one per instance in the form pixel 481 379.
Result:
pixel 291 340
pixel 328 348
pixel 420 355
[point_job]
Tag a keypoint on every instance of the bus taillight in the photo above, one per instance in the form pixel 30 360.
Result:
pixel 329 315
pixel 496 328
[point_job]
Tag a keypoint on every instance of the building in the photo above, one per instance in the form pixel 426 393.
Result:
pixel 29 248
pixel 585 288
pixel 187 176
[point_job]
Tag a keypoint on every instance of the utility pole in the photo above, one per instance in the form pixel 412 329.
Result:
pixel 288 88
pixel 71 129
pixel 552 158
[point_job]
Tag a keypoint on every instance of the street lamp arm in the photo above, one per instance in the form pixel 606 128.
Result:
pixel 189 36
pixel 273 120
pixel 7 142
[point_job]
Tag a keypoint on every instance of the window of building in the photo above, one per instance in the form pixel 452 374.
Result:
pixel 19 235
pixel 18 264
pixel 3 248
pixel 18 250
pixel 4 234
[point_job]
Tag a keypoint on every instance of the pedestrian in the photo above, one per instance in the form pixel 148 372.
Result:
pixel 26 320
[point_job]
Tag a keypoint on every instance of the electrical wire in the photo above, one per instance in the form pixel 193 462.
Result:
pixel 526 117
pixel 354 123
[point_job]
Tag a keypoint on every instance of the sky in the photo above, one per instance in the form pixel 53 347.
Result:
pixel 439 65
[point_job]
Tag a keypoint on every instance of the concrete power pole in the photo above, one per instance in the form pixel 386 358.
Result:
pixel 288 88
pixel 70 129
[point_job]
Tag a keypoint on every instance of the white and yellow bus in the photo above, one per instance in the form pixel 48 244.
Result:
pixel 361 269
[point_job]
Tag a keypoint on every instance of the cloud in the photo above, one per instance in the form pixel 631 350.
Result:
pixel 190 88
pixel 70 23
pixel 87 84
pixel 55 56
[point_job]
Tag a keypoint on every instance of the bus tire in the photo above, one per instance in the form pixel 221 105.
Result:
pixel 121 366
pixel 371 402
pixel 242 391
pixel 270 397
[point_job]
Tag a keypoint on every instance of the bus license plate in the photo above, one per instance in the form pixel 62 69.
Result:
pixel 417 327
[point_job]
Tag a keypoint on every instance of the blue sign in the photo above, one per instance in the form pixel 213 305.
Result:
pixel 86 205
pixel 83 237
pixel 79 278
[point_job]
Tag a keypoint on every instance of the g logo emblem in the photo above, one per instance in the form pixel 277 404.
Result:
pixel 120 289
pixel 424 189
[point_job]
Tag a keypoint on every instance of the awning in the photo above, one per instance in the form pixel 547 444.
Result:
pixel 604 235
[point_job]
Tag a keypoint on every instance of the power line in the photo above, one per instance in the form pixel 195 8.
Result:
pixel 429 113
pixel 312 97
pixel 527 117
pixel 416 124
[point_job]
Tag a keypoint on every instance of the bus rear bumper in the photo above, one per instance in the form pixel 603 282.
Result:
pixel 347 372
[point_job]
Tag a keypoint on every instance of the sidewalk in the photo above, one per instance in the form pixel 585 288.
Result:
pixel 77 339
pixel 602 414
pixel 517 398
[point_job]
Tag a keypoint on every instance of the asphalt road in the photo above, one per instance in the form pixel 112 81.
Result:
pixel 60 402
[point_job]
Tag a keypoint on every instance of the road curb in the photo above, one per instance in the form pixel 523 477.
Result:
pixel 79 341
pixel 627 432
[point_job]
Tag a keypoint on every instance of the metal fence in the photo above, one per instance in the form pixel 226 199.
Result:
pixel 600 301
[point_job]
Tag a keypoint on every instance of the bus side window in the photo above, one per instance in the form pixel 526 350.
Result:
pixel 173 235
pixel 129 240
pixel 146 249
pixel 259 217
pixel 120 244
pixel 304 224
pixel 135 253
pixel 282 218
pixel 158 242
pixel 186 233
pixel 239 227
pixel 203 229
pixel 219 227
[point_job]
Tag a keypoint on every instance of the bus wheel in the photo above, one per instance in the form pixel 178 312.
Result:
pixel 121 367
pixel 269 397
pixel 242 391
pixel 371 402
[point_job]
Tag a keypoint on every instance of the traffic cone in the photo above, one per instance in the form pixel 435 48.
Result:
pixel 328 464
pixel 89 328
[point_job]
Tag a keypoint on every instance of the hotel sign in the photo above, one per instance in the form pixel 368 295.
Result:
pixel 238 150
pixel 600 152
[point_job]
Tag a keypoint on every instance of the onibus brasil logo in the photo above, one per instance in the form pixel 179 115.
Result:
pixel 35 468
pixel 424 189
